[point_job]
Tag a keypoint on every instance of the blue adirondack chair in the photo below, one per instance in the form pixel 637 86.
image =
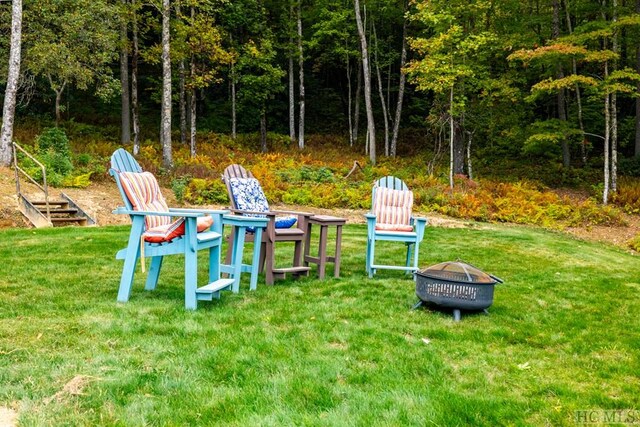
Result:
pixel 187 244
pixel 391 219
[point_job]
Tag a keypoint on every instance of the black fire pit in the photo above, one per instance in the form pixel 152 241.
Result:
pixel 455 285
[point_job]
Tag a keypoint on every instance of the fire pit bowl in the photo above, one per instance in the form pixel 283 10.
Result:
pixel 455 285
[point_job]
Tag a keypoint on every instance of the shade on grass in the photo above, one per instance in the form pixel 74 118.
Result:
pixel 561 336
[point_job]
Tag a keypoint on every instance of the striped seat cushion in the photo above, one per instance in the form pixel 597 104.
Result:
pixel 144 194
pixel 393 209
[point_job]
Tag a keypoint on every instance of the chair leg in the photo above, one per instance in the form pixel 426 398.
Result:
pixel 214 263
pixel 230 247
pixel 263 256
pixel 154 273
pixel 408 261
pixel 190 279
pixel 255 260
pixel 371 253
pixel 297 253
pixel 270 263
pixel 133 253
pixel 416 251
pixel 238 250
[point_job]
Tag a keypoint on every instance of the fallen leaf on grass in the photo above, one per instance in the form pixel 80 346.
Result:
pixel 524 366
pixel 426 340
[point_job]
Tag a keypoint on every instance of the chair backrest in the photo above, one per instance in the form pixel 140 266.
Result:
pixel 123 161
pixel 234 171
pixel 139 190
pixel 392 202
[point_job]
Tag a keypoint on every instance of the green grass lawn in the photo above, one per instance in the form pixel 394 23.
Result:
pixel 562 335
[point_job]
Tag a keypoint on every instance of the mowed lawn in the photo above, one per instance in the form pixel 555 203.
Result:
pixel 563 335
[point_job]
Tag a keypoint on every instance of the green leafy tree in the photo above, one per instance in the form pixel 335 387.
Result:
pixel 72 42
pixel 451 60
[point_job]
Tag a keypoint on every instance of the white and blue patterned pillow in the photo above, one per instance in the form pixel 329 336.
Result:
pixel 248 195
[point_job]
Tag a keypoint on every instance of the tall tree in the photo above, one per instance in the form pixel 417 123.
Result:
pixel 125 128
pixel 451 63
pixel 165 118
pixel 292 89
pixel 301 97
pixel 371 127
pixel 73 42
pixel 401 85
pixel 9 108
pixel 135 55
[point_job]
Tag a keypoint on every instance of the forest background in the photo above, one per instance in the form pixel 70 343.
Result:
pixel 482 106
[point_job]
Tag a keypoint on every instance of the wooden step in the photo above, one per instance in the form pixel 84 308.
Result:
pixel 51 203
pixel 61 211
pixel 281 273
pixel 208 292
pixel 62 221
pixel 300 269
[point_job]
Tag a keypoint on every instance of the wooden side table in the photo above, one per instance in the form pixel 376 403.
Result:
pixel 324 221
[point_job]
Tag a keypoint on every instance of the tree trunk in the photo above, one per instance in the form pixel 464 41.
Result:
pixel 263 130
pixel 607 123
pixel 9 108
pixel 59 92
pixel 233 96
pixel 292 90
pixel 292 96
pixel 356 105
pixel 192 99
pixel 562 115
pixel 451 138
pixel 301 78
pixel 636 151
pixel 403 78
pixel 583 147
pixel 134 85
pixel 165 133
pixel 383 102
pixel 469 168
pixel 192 124
pixel 182 102
pixel 125 134
pixel 349 102
pixel 614 110
pixel 367 84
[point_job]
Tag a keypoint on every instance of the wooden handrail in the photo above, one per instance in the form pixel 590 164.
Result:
pixel 17 168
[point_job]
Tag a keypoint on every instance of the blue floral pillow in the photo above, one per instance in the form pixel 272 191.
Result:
pixel 248 195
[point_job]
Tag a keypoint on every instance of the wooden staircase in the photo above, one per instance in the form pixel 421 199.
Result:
pixel 45 212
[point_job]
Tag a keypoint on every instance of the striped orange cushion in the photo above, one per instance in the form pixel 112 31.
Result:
pixel 165 233
pixel 143 192
pixel 393 209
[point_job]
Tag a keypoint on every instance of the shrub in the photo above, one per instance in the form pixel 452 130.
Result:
pixel 53 139
pixel 205 191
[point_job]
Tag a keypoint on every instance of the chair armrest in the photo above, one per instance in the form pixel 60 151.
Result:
pixel 371 224
pixel 247 221
pixel 242 212
pixel 123 210
pixel 206 211
pixel 304 214
pixel 420 224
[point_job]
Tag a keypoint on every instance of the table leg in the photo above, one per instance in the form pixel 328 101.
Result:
pixel 322 251
pixel 255 262
pixel 336 262
pixel 238 249
pixel 307 244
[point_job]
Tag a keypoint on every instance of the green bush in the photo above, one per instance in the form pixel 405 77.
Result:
pixel 53 139
pixel 203 191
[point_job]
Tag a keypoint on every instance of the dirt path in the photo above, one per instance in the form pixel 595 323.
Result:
pixel 99 200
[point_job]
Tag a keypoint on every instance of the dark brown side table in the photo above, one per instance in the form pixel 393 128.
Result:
pixel 324 221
